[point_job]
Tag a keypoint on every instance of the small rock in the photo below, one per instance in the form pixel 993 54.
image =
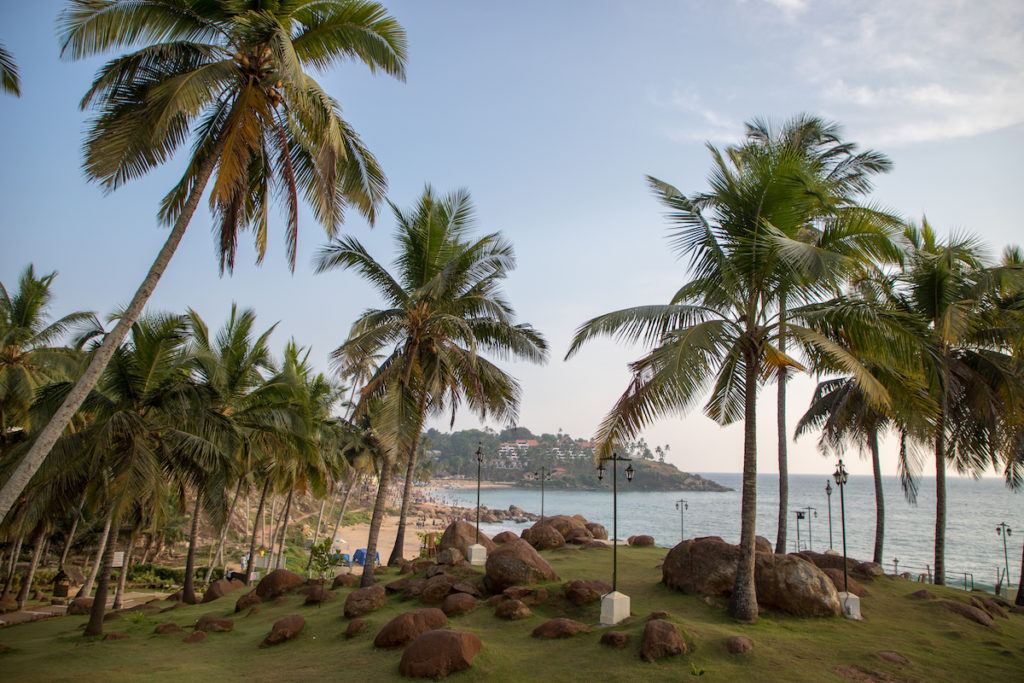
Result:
pixel 80 606
pixel 345 581
pixel 923 594
pixel 111 616
pixel 661 639
pixel 513 610
pixel 660 614
pixel 582 593
pixel 317 595
pixel 738 645
pixel 355 627
pixel 437 589
pixel 115 635
pixel 278 582
pixel 408 626
pixel 211 623
pixel 284 629
pixel 615 639
pixel 439 653
pixel 559 628
pixel 167 629
pixel 450 556
pixel 466 587
pixel 528 596
pixel 641 540
pixel 971 612
pixel 458 604
pixel 194 637
pixel 362 601
pixel 247 600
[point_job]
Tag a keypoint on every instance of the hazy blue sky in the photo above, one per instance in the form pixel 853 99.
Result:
pixel 551 113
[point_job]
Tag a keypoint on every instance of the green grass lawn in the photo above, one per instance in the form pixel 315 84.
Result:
pixel 940 646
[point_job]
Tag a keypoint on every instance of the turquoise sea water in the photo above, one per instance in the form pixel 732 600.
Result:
pixel 975 507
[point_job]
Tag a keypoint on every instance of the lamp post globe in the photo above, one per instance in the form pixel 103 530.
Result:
pixel 828 495
pixel 615 605
pixel 682 506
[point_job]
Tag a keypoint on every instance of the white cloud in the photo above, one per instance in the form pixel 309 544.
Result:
pixel 698 122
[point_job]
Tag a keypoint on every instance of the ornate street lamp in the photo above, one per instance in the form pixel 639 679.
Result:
pixel 851 603
pixel 544 473
pixel 828 494
pixel 478 553
pixel 682 506
pixel 1005 532
pixel 615 605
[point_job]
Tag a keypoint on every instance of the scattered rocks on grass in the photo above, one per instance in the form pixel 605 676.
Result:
pixel 355 627
pixel 458 604
pixel 513 610
pixel 406 627
pixel 212 623
pixel 167 629
pixel 220 588
pixel 516 563
pixel 345 581
pixel 738 645
pixel 978 616
pixel 277 583
pixel 615 639
pixel 194 637
pixel 641 540
pixel 317 595
pixel 559 628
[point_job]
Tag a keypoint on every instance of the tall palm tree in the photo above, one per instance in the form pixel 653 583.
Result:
pixel 31 355
pixel 967 339
pixel 723 327
pixel 444 308
pixel 10 81
pixel 232 76
pixel 836 173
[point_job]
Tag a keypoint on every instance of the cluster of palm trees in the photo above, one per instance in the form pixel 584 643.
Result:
pixel 182 421
pixel 792 271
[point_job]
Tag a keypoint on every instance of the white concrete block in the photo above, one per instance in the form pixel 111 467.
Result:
pixel 851 605
pixel 477 554
pixel 614 608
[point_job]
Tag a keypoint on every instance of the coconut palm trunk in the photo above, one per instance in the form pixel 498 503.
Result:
pixel 344 505
pixel 940 496
pixel 44 442
pixel 398 550
pixel 285 514
pixel 316 533
pixel 122 576
pixel 99 604
pixel 94 572
pixel 224 532
pixel 188 590
pixel 255 525
pixel 743 601
pixel 71 534
pixel 13 566
pixel 783 434
pixel 1020 587
pixel 876 468
pixel 37 548
pixel 375 522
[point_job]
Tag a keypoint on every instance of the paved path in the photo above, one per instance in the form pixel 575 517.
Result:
pixel 37 612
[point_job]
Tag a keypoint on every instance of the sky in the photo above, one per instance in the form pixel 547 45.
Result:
pixel 551 114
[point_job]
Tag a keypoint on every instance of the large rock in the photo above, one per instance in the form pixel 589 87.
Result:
pixel 458 603
pixel 250 599
pixel 436 589
pixel 738 645
pixel 526 594
pixel 762 545
pixel 597 531
pixel 545 537
pixel 641 540
pixel 707 566
pixel 406 627
pixel 836 575
pixel 661 639
pixel 80 606
pixel 578 536
pixel 827 560
pixel 460 535
pixel 795 586
pixel 559 628
pixel 869 570
pixel 364 600
pixel 563 524
pixel 218 589
pixel 345 581
pixel 317 595
pixel 581 593
pixel 278 582
pixel 437 654
pixel 450 556
pixel 516 563
pixel 978 616
pixel 284 629
pixel 505 537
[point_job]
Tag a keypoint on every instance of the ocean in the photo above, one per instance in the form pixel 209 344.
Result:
pixel 974 509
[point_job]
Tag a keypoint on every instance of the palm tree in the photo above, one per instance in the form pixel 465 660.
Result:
pixel 10 82
pixel 966 340
pixel 444 307
pixel 837 174
pixel 30 354
pixel 725 324
pixel 232 76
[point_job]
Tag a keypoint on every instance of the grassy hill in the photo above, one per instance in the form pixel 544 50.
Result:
pixel 940 646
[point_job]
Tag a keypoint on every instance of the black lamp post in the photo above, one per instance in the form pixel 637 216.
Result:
pixel 543 474
pixel 479 463
pixel 811 512
pixel 828 494
pixel 1003 530
pixel 616 459
pixel 799 516
pixel 682 506
pixel 841 476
